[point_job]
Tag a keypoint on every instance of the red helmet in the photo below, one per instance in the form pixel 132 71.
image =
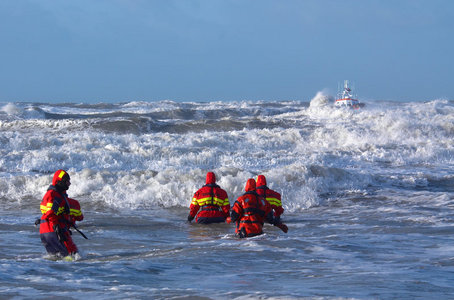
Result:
pixel 60 179
pixel 261 180
pixel 250 185
pixel 211 178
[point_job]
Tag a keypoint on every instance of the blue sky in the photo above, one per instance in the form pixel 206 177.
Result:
pixel 212 50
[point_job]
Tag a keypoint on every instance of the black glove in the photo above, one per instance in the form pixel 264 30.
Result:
pixel 60 234
pixel 190 218
pixel 37 222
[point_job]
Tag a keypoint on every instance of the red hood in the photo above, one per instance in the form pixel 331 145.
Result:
pixel 250 185
pixel 261 180
pixel 211 178
pixel 58 176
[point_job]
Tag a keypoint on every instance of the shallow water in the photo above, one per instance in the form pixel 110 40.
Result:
pixel 368 199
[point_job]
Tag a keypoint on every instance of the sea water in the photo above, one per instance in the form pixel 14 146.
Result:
pixel 368 197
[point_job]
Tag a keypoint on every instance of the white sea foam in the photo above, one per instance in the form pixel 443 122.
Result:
pixel 305 152
pixel 321 99
pixel 10 109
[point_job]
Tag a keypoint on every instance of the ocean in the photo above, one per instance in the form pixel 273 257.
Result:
pixel 368 197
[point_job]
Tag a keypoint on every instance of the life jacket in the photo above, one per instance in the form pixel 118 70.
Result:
pixel 55 209
pixel 210 203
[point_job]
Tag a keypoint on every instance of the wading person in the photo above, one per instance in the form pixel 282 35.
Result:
pixel 75 214
pixel 273 197
pixel 210 203
pixel 56 216
pixel 250 211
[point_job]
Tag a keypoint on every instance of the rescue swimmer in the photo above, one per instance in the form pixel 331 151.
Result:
pixel 59 213
pixel 212 201
pixel 273 197
pixel 75 214
pixel 250 211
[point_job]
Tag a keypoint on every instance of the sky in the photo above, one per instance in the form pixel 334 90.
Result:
pixel 224 50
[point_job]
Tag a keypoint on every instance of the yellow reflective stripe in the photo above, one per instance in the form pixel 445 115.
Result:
pixel 274 201
pixel 194 201
pixel 207 200
pixel 203 201
pixel 62 173
pixel 48 206
pixel 75 212
pixel 44 208
pixel 218 201
pixel 60 210
pixel 226 202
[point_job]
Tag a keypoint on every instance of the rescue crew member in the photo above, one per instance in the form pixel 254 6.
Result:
pixel 273 197
pixel 75 214
pixel 212 201
pixel 55 209
pixel 250 211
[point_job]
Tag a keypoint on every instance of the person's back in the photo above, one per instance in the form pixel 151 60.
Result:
pixel 212 201
pixel 273 197
pixel 250 212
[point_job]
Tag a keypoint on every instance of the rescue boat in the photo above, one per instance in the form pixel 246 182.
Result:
pixel 347 98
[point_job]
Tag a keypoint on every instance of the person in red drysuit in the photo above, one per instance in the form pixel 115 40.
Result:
pixel 55 209
pixel 273 197
pixel 250 211
pixel 212 201
pixel 75 214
